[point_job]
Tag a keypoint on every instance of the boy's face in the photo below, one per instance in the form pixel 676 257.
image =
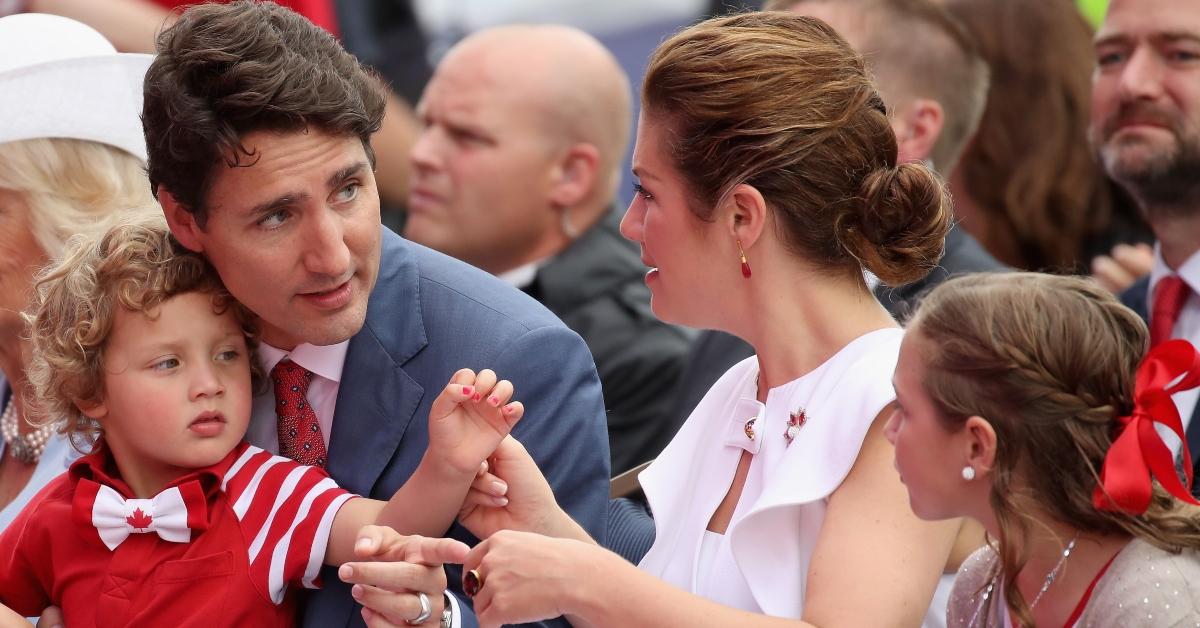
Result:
pixel 176 390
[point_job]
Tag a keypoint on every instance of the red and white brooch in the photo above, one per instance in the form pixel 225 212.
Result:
pixel 796 420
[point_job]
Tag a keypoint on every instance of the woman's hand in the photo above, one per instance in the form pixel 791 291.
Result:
pixel 394 570
pixel 527 577
pixel 527 505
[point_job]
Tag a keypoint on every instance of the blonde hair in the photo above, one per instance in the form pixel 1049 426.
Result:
pixel 135 265
pixel 1050 362
pixel 780 102
pixel 72 186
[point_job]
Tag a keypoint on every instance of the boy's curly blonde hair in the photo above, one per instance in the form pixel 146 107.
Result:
pixel 136 264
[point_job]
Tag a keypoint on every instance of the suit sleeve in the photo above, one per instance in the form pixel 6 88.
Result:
pixel 564 427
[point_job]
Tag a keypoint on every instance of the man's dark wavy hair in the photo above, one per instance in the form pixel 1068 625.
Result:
pixel 225 70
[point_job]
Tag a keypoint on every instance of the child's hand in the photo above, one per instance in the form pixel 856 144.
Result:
pixel 469 419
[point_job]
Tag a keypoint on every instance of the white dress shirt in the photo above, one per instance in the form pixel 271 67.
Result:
pixel 326 365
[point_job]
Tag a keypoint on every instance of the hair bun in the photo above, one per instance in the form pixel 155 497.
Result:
pixel 900 234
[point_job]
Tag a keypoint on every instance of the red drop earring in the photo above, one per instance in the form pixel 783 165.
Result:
pixel 745 264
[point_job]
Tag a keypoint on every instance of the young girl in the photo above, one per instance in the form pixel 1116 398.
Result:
pixel 1028 390
pixel 173 517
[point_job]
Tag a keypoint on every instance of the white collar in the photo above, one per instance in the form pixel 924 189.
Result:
pixel 326 361
pixel 521 276
pixel 1188 271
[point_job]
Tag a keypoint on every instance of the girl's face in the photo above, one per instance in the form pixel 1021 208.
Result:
pixel 930 458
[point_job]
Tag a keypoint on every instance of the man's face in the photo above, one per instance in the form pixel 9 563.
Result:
pixel 295 235
pixel 1145 121
pixel 482 167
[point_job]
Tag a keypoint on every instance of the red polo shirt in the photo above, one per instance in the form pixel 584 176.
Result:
pixel 319 12
pixel 266 525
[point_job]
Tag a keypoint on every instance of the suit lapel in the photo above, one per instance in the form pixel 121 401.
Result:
pixel 376 403
pixel 377 399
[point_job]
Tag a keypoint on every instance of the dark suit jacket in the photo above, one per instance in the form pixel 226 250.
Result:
pixel 1136 298
pixel 597 286
pixel 428 316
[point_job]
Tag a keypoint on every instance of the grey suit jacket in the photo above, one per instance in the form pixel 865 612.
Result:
pixel 428 316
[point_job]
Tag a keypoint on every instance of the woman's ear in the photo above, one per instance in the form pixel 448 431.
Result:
pixel 746 213
pixel 981 442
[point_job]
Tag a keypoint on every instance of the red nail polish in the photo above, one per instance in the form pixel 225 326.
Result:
pixel 494 400
pixel 476 397
pixel 468 391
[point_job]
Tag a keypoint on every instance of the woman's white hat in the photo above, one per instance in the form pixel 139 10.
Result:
pixel 61 78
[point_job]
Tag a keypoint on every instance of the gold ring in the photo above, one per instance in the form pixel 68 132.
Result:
pixel 472 582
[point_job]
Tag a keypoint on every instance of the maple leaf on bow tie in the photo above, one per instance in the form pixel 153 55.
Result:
pixel 139 520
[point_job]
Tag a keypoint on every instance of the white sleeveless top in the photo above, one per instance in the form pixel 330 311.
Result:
pixel 761 562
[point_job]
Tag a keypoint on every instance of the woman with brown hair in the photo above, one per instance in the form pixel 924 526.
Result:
pixel 1029 388
pixel 1027 186
pixel 767 182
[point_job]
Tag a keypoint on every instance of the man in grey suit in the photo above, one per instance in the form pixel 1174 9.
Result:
pixel 258 126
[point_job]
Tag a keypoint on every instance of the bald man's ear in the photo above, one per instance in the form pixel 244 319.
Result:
pixel 575 176
pixel 918 126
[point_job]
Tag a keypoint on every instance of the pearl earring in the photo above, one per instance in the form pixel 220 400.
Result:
pixel 968 473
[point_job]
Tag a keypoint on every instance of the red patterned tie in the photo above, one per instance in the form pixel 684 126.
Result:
pixel 1169 297
pixel 299 433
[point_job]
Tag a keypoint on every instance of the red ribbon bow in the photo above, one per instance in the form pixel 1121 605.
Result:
pixel 1139 453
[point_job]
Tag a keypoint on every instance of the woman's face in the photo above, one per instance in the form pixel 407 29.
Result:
pixel 20 259
pixel 930 459
pixel 675 243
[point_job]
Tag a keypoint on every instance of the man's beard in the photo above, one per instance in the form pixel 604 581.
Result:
pixel 1164 180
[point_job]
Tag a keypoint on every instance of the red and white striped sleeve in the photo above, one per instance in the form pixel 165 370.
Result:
pixel 286 511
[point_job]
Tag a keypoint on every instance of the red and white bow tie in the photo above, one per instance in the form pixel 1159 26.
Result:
pixel 166 514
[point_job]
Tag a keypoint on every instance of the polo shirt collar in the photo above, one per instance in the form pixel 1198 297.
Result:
pixel 100 467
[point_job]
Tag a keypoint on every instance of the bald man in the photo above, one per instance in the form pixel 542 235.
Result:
pixel 516 172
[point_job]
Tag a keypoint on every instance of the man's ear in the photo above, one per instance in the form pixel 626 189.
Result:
pixel 918 126
pixel 181 221
pixel 575 175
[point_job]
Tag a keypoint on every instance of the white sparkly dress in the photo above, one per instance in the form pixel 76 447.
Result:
pixel 1143 587
pixel 761 562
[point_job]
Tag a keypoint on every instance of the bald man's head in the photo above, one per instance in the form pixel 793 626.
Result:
pixel 525 129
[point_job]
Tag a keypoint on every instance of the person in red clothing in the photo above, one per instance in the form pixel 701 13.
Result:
pixel 172 516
